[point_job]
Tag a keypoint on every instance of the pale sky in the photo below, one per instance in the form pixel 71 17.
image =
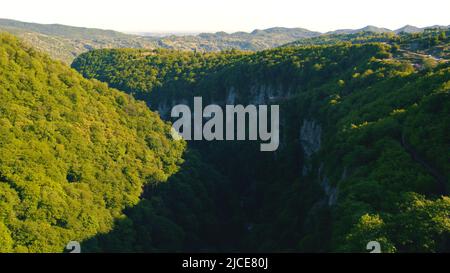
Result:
pixel 228 15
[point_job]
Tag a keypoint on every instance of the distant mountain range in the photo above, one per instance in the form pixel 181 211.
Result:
pixel 406 29
pixel 66 42
pixel 275 31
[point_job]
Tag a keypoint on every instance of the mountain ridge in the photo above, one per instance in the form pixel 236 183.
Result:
pixel 46 28
pixel 65 42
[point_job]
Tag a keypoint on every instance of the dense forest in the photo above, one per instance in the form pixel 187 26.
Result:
pixel 364 127
pixel 364 121
pixel 74 153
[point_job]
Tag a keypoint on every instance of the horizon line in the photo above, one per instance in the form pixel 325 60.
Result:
pixel 196 32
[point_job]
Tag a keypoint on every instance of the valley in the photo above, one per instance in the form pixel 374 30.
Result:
pixel 88 154
pixel 340 176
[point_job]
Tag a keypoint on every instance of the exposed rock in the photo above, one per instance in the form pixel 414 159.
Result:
pixel 164 108
pixel 231 97
pixel 310 140
pixel 330 191
pixel 310 137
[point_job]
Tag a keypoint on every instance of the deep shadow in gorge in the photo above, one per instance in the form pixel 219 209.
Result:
pixel 227 196
pixel 230 196
pixel 195 210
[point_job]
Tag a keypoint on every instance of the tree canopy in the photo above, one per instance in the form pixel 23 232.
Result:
pixel 74 153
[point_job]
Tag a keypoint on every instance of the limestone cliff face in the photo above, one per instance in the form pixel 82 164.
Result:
pixel 310 140
pixel 258 94
pixel 310 137
pixel 164 108
pixel 231 96
pixel 267 94
pixel 330 191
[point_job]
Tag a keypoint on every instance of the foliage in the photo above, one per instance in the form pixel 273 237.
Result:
pixel 384 119
pixel 77 156
pixel 74 153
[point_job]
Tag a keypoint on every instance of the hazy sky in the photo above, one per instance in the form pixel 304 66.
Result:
pixel 228 15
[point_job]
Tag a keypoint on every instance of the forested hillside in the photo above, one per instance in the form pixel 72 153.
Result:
pixel 433 42
pixel 364 135
pixel 74 153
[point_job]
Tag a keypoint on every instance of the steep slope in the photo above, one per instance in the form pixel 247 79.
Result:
pixel 74 153
pixel 363 135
